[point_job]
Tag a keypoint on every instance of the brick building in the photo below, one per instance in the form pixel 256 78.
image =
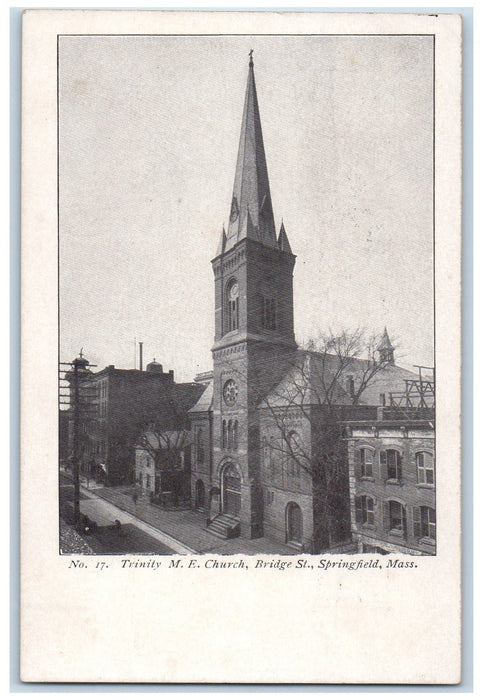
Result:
pixel 267 426
pixel 118 405
pixel 392 474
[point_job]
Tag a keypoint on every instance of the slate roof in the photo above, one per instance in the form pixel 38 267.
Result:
pixel 205 401
pixel 313 375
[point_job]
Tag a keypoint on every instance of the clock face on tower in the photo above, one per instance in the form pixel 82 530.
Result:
pixel 230 392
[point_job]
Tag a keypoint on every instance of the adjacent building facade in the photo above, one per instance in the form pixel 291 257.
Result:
pixel 117 405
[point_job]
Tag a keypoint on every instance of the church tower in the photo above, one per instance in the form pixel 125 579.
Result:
pixel 254 335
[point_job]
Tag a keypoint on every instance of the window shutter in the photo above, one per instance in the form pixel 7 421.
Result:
pixel 386 516
pixel 383 464
pixel 358 509
pixel 371 511
pixel 416 522
pixel 404 519
pixel 358 461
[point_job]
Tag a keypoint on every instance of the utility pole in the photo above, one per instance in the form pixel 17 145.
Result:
pixel 78 371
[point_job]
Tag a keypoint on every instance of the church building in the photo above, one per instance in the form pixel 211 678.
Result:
pixel 260 429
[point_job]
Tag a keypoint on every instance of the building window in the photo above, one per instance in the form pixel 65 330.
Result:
pixel 223 439
pixel 269 313
pixel 232 306
pixel 366 458
pixel 200 453
pixel 365 510
pixel 350 386
pixel 395 518
pixel 293 454
pixel 425 465
pixel 271 458
pixel 390 461
pixel 424 522
pixel 148 481
pixel 230 434
pixel 428 522
pixel 235 435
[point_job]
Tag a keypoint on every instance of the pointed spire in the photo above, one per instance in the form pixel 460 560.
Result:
pixel 251 214
pixel 222 242
pixel 385 343
pixel 386 349
pixel 283 242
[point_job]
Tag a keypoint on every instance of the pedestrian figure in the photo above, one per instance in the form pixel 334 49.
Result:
pixel 117 523
pixel 135 498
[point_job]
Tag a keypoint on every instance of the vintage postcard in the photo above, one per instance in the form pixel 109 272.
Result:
pixel 241 347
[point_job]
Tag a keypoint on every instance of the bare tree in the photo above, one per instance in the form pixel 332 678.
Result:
pixel 302 428
pixel 169 450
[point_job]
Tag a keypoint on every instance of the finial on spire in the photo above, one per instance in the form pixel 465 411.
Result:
pixel 80 354
pixel 250 53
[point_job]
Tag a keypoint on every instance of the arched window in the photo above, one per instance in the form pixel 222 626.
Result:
pixel 224 441
pixel 235 435
pixel 294 523
pixel 365 510
pixel 366 459
pixel 230 435
pixel 265 453
pixel 390 462
pixel 395 518
pixel 294 454
pixel 232 306
pixel 271 456
pixel 425 465
pixel 269 312
pixel 199 446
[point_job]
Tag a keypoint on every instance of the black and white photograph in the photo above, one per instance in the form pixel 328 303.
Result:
pixel 246 294
pixel 241 347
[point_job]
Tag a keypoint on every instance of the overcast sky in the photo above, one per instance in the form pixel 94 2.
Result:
pixel 148 135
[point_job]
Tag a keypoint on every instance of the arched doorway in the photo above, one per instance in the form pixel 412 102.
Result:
pixel 231 491
pixel 199 494
pixel 294 523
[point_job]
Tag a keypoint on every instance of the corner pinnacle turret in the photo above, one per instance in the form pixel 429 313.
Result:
pixel 251 214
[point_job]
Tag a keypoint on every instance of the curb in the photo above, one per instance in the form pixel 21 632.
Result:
pixel 146 522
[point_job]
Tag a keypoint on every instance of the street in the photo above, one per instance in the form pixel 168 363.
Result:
pixel 133 536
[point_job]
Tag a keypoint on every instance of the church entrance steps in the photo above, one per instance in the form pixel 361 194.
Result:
pixel 225 526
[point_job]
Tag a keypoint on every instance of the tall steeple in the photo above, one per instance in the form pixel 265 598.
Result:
pixel 251 214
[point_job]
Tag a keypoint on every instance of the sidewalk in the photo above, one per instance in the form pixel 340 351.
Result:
pixel 187 526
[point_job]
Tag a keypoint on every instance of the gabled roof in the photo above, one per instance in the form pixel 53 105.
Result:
pixel 205 401
pixel 186 395
pixel 314 376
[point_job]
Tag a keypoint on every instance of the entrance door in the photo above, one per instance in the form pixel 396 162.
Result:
pixel 231 491
pixel 294 523
pixel 200 494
